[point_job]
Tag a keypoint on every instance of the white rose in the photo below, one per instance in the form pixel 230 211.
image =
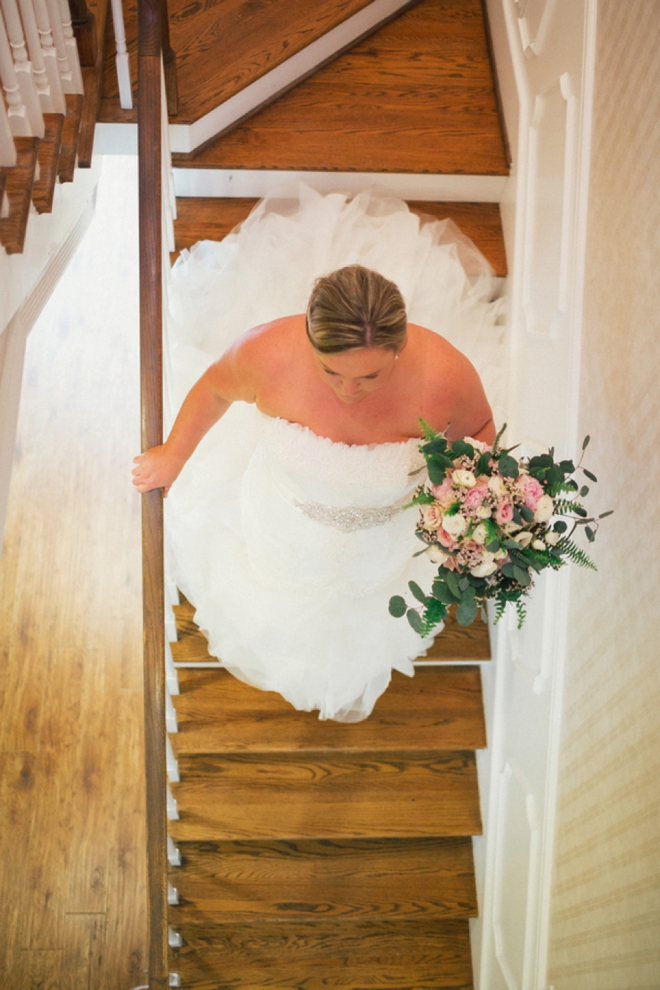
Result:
pixel 437 555
pixel 500 554
pixel 544 508
pixel 524 539
pixel 497 486
pixel 464 479
pixel 480 534
pixel 483 512
pixel 511 528
pixel 552 538
pixel 454 525
pixel 486 567
pixel 538 545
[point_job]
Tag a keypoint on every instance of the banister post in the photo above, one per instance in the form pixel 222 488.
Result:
pixel 149 152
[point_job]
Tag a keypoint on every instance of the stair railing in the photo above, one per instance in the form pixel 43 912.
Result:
pixel 7 148
pixel 156 214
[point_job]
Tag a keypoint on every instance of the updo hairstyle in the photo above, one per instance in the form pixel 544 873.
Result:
pixel 355 307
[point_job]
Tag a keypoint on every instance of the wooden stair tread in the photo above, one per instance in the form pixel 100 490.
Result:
pixel 325 795
pixel 350 879
pixel 212 218
pixel 218 714
pixel 454 644
pixel 19 182
pixel 416 96
pixel 92 83
pixel 413 954
pixel 70 132
pixel 49 154
pixel 223 46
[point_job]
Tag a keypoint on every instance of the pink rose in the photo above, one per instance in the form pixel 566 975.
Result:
pixel 531 490
pixel 443 492
pixel 431 516
pixel 475 497
pixel 504 512
pixel 445 540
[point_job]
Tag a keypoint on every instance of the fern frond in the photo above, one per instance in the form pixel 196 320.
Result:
pixel 566 506
pixel 575 554
pixel 521 610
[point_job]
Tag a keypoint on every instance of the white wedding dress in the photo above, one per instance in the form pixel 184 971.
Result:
pixel 288 544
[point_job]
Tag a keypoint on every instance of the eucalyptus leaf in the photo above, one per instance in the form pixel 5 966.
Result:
pixel 584 491
pixel 585 442
pixel 452 583
pixel 443 593
pixel 608 513
pixel 567 467
pixel 463 584
pixel 526 513
pixel 436 471
pixel 398 606
pixel 415 620
pixel 508 466
pixel 560 526
pixel 417 592
pixel 508 571
pixel 466 612
pixel 591 536
pixel 522 576
pixel 590 475
pixel 579 511
pixel 493 546
pixel 461 448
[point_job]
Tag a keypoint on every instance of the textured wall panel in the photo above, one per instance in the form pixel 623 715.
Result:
pixel 606 897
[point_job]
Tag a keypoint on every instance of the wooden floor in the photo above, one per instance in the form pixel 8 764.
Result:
pixel 222 46
pixel 72 875
pixel 201 218
pixel 417 96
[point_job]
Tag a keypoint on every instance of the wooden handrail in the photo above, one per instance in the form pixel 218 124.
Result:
pixel 151 315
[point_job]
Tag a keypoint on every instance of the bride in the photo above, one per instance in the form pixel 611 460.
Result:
pixel 286 526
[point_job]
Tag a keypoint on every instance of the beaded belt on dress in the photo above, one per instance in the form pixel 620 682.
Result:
pixel 350 519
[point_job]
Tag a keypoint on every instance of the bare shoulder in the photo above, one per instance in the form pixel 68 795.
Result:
pixel 254 357
pixel 454 397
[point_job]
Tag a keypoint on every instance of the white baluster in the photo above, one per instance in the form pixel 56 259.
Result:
pixel 37 12
pixel 173 852
pixel 39 73
pixel 175 939
pixel 19 122
pixel 167 176
pixel 172 809
pixel 172 764
pixel 171 676
pixel 7 151
pixel 121 58
pixel 66 75
pixel 71 45
pixel 170 712
pixel 23 66
pixel 172 894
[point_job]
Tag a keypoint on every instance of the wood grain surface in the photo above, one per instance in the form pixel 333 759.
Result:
pixel 413 955
pixel 439 708
pixel 19 181
pixel 70 132
pixel 212 218
pixel 323 795
pixel 221 46
pixel 72 820
pixel 49 153
pixel 417 96
pixel 348 879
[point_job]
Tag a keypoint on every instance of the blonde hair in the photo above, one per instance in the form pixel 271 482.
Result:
pixel 355 307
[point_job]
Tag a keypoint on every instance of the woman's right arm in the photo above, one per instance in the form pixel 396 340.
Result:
pixel 228 380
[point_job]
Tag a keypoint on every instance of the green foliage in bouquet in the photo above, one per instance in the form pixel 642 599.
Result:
pixel 492 522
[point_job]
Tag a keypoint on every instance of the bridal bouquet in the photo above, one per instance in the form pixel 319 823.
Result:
pixel 492 523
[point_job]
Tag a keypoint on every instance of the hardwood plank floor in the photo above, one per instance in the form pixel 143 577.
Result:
pixel 72 875
pixel 222 46
pixel 212 218
pixel 417 96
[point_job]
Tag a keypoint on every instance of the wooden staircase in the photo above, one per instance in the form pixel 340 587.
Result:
pixel 308 854
pixel 315 854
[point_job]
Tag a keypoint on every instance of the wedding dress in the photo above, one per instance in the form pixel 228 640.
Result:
pixel 288 544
